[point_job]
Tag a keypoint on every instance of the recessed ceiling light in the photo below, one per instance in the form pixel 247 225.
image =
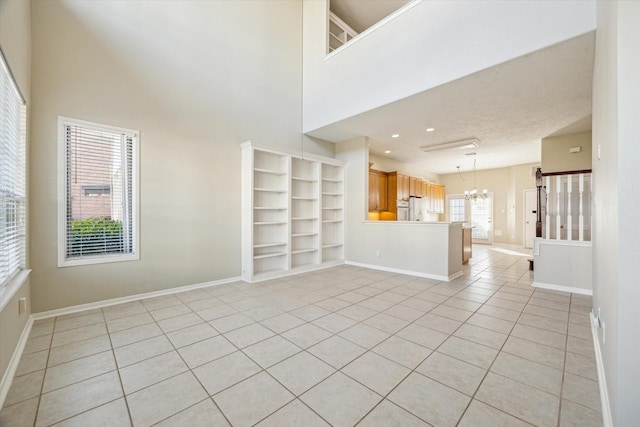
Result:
pixel 430 129
pixel 395 135
pixel 387 151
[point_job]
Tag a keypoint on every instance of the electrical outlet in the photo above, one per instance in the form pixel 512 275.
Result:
pixel 22 305
pixel 378 253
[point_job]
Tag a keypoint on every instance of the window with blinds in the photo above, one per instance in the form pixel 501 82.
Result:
pixel 13 125
pixel 99 185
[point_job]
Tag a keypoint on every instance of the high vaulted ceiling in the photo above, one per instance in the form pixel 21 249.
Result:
pixel 509 107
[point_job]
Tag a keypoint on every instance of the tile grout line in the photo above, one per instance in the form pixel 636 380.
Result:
pixel 332 295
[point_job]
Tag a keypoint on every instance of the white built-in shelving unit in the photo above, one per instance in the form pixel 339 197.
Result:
pixel 292 212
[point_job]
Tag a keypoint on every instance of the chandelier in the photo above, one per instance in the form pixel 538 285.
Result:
pixel 473 193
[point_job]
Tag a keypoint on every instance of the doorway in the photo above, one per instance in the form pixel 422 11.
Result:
pixel 482 219
pixel 476 212
pixel 530 217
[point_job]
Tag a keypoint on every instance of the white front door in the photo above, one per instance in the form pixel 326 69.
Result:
pixel 530 217
pixel 482 219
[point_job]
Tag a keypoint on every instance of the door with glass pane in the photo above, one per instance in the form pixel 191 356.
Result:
pixel 458 211
pixel 482 219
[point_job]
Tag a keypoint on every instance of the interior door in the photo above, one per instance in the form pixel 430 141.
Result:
pixel 530 217
pixel 482 219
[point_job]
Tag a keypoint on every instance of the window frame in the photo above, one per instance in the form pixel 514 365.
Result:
pixel 16 277
pixel 63 260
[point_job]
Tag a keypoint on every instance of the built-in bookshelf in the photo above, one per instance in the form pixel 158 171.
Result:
pixel 332 212
pixel 293 211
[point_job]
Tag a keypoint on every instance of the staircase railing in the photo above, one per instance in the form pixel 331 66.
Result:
pixel 564 205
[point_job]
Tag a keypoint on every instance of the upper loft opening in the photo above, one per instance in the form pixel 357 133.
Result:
pixel 350 18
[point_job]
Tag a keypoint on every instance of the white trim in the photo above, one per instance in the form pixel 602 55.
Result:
pixel 541 241
pixel 296 270
pixel 63 261
pixel 408 272
pixel 7 378
pixel 136 297
pixel 292 153
pixel 562 288
pixel 607 419
pixel 7 292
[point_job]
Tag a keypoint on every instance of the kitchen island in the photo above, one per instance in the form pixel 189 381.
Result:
pixel 419 248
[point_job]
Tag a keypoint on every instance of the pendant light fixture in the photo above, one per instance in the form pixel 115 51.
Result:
pixel 473 193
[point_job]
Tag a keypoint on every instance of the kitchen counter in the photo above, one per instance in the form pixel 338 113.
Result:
pixel 421 248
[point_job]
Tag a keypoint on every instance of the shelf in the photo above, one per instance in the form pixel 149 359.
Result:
pixel 303 234
pixel 270 223
pixel 303 251
pixel 269 255
pixel 266 274
pixel 269 245
pixel 269 171
pixel 269 190
pixel 285 199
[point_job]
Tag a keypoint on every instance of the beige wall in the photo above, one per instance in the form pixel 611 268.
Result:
pixel 196 79
pixel 507 186
pixel 557 158
pixel 15 40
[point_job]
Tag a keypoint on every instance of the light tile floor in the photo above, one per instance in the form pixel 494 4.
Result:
pixel 342 346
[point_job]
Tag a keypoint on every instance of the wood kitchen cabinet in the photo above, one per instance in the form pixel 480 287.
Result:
pixel 415 187
pixel 434 194
pixel 378 190
pixel 403 187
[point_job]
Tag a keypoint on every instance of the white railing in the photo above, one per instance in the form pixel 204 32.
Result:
pixel 339 32
pixel 563 196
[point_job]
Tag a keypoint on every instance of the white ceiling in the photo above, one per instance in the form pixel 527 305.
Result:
pixel 509 108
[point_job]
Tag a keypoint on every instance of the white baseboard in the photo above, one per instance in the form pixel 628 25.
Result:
pixel 294 271
pixel 114 301
pixel 7 378
pixel 602 382
pixel 571 289
pixel 407 272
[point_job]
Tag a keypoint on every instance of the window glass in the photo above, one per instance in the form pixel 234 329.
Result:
pixel 100 200
pixel 12 177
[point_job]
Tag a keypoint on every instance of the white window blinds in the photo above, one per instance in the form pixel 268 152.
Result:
pixel 12 177
pixel 100 194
